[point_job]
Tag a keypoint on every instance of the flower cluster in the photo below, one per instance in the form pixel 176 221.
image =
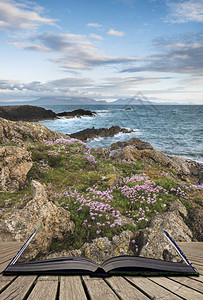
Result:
pixel 91 159
pixel 101 214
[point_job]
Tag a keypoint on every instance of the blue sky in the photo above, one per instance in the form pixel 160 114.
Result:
pixel 103 50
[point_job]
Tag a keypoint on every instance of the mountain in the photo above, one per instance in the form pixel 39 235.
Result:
pixel 85 101
pixel 57 101
pixel 67 101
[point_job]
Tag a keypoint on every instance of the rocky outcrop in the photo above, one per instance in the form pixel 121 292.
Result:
pixel 15 163
pixel 19 224
pixel 20 131
pixel 102 248
pixel 135 149
pixel 92 133
pixel 34 113
pixel 77 113
pixel 195 222
pixel 103 153
pixel 153 243
pixel 135 142
pixel 26 113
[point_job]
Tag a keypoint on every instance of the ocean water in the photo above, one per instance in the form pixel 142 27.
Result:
pixel 174 130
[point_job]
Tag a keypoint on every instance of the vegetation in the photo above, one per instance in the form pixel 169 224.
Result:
pixel 97 192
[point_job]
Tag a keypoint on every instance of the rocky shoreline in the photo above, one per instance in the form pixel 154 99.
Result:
pixel 34 113
pixel 45 176
pixel 92 133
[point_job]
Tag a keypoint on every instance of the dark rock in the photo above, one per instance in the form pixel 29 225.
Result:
pixel 26 113
pixel 92 133
pixel 195 222
pixel 76 113
pixel 137 143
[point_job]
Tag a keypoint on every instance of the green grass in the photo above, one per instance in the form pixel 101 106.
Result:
pixel 66 167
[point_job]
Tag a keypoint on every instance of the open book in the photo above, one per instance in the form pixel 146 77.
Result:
pixel 119 265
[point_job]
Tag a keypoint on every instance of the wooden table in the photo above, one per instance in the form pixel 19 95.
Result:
pixel 112 288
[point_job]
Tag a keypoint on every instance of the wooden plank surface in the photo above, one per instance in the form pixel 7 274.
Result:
pixel 18 289
pixel 71 288
pixel 112 288
pixel 189 282
pixel 153 290
pixel 120 285
pixel 5 281
pixel 177 288
pixel 98 289
pixel 45 288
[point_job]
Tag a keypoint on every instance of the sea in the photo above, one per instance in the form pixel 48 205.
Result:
pixel 171 129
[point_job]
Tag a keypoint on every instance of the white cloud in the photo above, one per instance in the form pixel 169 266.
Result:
pixel 75 51
pixel 96 37
pixel 16 16
pixel 186 11
pixel 115 32
pixel 96 25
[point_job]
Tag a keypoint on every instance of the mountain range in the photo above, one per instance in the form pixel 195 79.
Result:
pixel 83 101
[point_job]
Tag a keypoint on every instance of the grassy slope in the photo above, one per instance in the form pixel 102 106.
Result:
pixel 96 191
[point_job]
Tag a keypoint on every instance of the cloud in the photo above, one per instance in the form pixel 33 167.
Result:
pixel 53 86
pixel 96 37
pixel 180 54
pixel 126 83
pixel 185 11
pixel 18 16
pixel 114 32
pixel 75 51
pixel 96 25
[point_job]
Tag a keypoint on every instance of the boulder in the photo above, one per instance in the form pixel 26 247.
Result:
pixel 92 133
pixel 20 131
pixel 15 163
pixel 153 243
pixel 128 153
pixel 137 143
pixel 25 113
pixel 19 224
pixel 103 153
pixel 102 248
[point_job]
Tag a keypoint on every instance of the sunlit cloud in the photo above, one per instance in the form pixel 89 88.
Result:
pixel 17 16
pixel 115 32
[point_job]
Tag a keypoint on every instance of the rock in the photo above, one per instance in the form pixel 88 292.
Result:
pixel 15 163
pixel 20 131
pixel 177 205
pixel 195 222
pixel 128 153
pixel 19 224
pixel 102 248
pixel 153 243
pixel 76 113
pixel 135 149
pixel 92 133
pixel 103 153
pixel 26 113
pixel 137 143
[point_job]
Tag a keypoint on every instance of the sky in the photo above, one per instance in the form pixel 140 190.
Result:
pixel 103 50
